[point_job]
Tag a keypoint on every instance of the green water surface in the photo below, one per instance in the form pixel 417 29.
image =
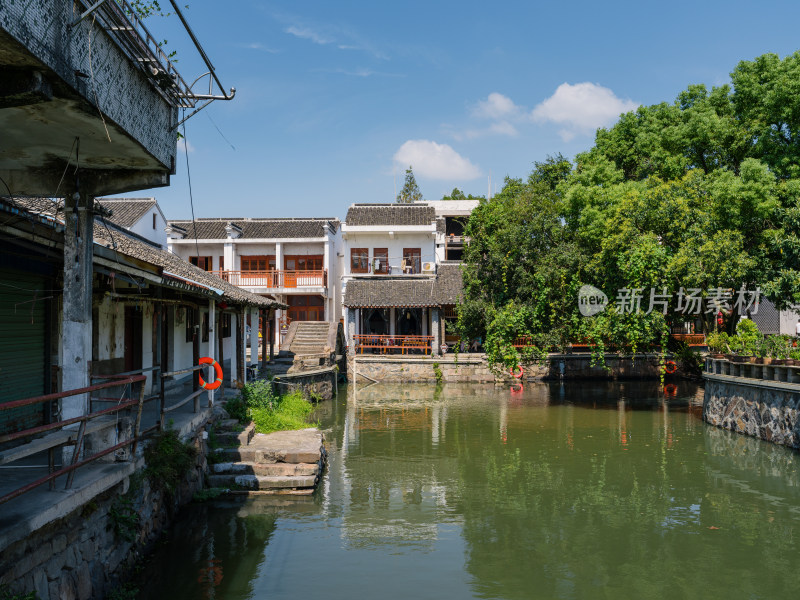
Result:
pixel 599 490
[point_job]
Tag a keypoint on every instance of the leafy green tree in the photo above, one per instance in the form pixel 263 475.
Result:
pixel 410 192
pixel 457 194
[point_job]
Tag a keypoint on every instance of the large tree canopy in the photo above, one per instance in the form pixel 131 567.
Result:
pixel 698 194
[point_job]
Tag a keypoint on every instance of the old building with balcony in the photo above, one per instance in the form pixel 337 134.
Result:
pixel 398 287
pixel 292 260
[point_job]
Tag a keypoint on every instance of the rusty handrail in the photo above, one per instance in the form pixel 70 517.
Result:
pixel 82 419
pixel 195 395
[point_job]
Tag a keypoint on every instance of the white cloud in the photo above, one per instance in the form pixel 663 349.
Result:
pixel 260 46
pixel 435 161
pixel 581 108
pixel 307 33
pixel 184 145
pixel 496 106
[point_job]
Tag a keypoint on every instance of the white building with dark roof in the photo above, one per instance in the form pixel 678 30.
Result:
pixel 295 261
pixel 397 287
pixel 141 216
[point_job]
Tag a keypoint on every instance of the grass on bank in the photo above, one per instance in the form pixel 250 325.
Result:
pixel 270 412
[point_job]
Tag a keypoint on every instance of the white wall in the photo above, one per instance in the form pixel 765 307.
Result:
pixel 144 227
pixel 396 244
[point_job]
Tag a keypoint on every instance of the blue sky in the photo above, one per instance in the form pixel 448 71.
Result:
pixel 335 100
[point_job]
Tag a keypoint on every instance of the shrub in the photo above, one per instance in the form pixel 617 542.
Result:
pixel 259 394
pixel 237 409
pixel 168 460
pixel 285 413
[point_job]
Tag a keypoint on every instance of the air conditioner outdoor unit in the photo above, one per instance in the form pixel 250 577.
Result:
pixel 428 267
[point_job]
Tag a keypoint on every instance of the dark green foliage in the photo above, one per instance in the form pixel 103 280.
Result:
pixel 124 519
pixel 700 193
pixel 208 494
pixel 259 394
pixel 168 460
pixel 6 595
pixel 237 409
pixel 126 591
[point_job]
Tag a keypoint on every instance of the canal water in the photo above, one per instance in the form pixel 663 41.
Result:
pixel 580 490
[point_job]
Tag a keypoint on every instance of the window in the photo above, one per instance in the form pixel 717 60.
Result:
pixel 225 325
pixel 258 263
pixel 380 260
pixel 412 259
pixel 204 326
pixel 302 263
pixel 203 262
pixel 359 260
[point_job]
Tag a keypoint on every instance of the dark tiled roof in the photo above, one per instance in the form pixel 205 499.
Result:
pixel 214 229
pixel 142 250
pixel 127 211
pixel 444 289
pixel 449 283
pixel 390 214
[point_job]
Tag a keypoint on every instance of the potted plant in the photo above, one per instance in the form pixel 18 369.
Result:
pixel 717 344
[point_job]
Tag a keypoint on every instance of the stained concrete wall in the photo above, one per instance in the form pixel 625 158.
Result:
pixel 83 554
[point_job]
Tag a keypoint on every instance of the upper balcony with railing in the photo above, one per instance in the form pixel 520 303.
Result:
pixel 276 280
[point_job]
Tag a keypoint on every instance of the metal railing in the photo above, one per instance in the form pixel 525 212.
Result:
pixel 123 23
pixel 275 279
pixel 195 395
pixel 75 437
pixel 392 344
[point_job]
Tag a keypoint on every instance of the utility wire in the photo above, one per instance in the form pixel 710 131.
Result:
pixel 191 199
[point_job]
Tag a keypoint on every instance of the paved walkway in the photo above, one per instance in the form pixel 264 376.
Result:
pixel 36 508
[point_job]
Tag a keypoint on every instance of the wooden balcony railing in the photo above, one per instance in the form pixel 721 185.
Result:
pixel 393 344
pixel 275 279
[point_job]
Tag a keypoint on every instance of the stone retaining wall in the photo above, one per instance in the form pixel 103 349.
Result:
pixel 474 368
pixel 86 554
pixel 763 409
pixel 315 385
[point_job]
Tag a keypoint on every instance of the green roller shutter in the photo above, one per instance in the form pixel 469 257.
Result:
pixel 22 346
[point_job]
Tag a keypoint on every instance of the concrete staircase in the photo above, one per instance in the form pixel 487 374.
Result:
pixel 310 344
pixel 284 462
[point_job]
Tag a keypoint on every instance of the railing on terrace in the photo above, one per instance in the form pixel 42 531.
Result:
pixel 121 20
pixel 393 344
pixel 275 279
pixel 57 436
pixel 691 339
pixel 741 368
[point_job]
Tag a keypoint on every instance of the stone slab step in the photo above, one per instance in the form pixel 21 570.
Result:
pixel 267 469
pixel 240 438
pixel 262 482
pixel 269 455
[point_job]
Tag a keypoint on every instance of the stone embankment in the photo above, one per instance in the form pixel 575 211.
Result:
pixel 758 400
pixel 283 462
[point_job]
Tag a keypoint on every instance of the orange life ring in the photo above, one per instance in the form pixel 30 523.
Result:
pixel 670 389
pixel 517 375
pixel 670 367
pixel 207 360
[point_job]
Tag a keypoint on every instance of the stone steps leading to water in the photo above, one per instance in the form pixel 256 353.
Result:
pixel 279 462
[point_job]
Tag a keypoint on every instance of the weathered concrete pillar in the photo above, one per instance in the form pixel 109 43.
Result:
pixel 212 335
pixel 254 336
pixel 392 320
pixel 350 327
pixel 76 338
pixel 424 321
pixel 241 344
pixel 437 339
pixel 229 256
